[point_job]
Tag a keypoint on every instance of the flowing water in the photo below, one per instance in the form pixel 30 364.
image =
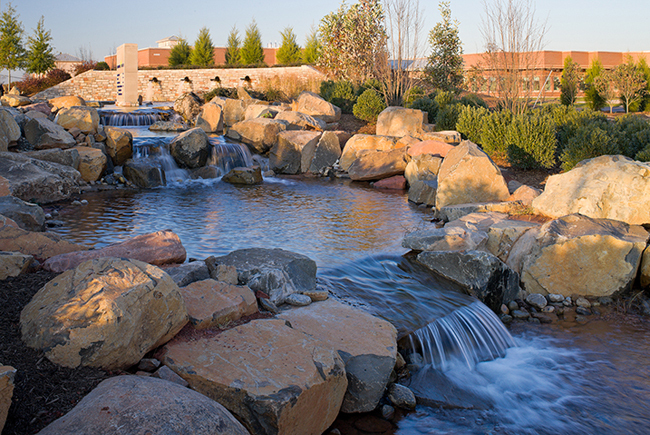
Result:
pixel 473 376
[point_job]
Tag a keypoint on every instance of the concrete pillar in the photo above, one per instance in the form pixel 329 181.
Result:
pixel 127 75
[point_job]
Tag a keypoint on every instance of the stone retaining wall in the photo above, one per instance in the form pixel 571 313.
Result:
pixel 101 85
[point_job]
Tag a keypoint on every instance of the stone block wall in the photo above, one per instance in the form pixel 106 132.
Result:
pixel 170 84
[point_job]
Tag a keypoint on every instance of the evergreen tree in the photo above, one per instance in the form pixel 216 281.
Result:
pixel 252 52
pixel 593 98
pixel 40 58
pixel 311 53
pixel 12 53
pixel 180 54
pixel 289 52
pixel 645 69
pixel 569 82
pixel 445 64
pixel 232 49
pixel 203 52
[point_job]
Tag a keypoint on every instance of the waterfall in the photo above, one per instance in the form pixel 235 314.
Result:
pixel 139 118
pixel 226 156
pixel 469 335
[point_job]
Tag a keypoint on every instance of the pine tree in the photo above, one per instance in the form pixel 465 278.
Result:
pixel 12 53
pixel 180 54
pixel 203 52
pixel 594 100
pixel 311 53
pixel 40 57
pixel 445 65
pixel 232 49
pixel 289 52
pixel 569 82
pixel 252 52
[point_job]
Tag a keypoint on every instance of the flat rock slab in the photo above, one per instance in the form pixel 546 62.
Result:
pixel 159 248
pixel 40 245
pixel 106 313
pixel 144 405
pixel 275 379
pixel 212 303
pixel 366 343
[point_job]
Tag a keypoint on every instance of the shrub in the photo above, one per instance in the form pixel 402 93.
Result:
pixel 494 130
pixel 587 143
pixel 84 66
pixel 470 122
pixel 340 93
pixel 428 105
pixel 369 105
pixel 473 100
pixel 412 95
pixel 220 92
pixel 32 84
pixel 444 98
pixel 632 134
pixel 530 141
pixel 447 116
pixel 102 66
pixel 643 155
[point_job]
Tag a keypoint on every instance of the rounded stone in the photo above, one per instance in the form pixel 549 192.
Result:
pixel 536 300
pixel 401 396
pixel 582 302
pixel 555 298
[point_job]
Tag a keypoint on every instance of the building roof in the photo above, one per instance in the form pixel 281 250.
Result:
pixel 65 57
pixel 169 38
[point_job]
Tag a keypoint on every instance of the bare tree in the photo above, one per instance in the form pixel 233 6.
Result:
pixel 404 25
pixel 630 83
pixel 85 54
pixel 513 39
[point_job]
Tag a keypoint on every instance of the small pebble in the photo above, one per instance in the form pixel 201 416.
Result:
pixel 583 311
pixel 84 202
pixel 317 295
pixel 513 305
pixel 536 300
pixel 548 309
pixel 555 298
pixel 387 412
pixel 48 216
pixel 148 364
pixel 298 300
pixel 401 396
pixel 582 302
pixel 55 212
pixel 520 314
pixel 334 432
pixel 504 309
pixel 581 319
pixel 75 202
pixel 141 373
pixel 268 305
pixel 605 300
pixel 506 318
pixel 534 320
pixel 567 302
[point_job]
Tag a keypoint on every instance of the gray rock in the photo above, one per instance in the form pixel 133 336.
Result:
pixel 245 176
pixel 188 106
pixel 444 239
pixel 582 302
pixel 188 273
pixel 69 157
pixel 316 157
pixel 567 302
pixel 520 314
pixel 45 134
pixel 141 405
pixel 148 364
pixel 548 309
pixel 222 272
pixel 298 300
pixel 536 300
pixel 169 375
pixel 9 130
pixel 506 318
pixel 555 298
pixel 387 412
pixel 276 272
pixel 401 396
pixel 269 306
pixel 29 217
pixel 583 311
pixel 191 149
pixel 143 174
pixel 479 273
pixel 513 305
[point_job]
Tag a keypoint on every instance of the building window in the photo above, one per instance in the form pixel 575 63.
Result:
pixel 556 84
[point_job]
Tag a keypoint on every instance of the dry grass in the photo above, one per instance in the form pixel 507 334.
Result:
pixel 289 86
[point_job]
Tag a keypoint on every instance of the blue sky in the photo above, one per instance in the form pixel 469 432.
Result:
pixel 102 25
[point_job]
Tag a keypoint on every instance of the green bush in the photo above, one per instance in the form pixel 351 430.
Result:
pixel 494 130
pixel 587 143
pixel 412 95
pixel 444 98
pixel 470 122
pixel 425 104
pixel 447 116
pixel 221 92
pixel 369 105
pixel 632 134
pixel 102 66
pixel 643 155
pixel 341 94
pixel 530 141
pixel 473 100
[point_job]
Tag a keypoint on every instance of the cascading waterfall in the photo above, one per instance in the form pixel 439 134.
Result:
pixel 139 118
pixel 226 156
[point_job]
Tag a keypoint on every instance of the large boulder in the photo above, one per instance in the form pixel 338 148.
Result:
pixel 66 101
pixel 367 345
pixel 400 122
pixel 107 313
pixel 144 174
pixel 38 181
pixel 14 264
pixel 188 106
pixel 69 157
pixel 318 156
pixel 210 119
pixel 360 142
pixel 92 163
pixel 503 234
pixel 273 378
pixel 28 216
pixel 645 269
pixel 39 245
pixel 44 134
pixel 312 104
pixel 159 248
pixel 191 149
pixel 233 111
pixel 213 304
pixel 84 118
pixel 119 144
pixel 285 156
pixel 276 272
pixel 244 176
pixel 187 273
pixel 13 100
pixel 124 404
pixel 430 147
pixel 457 211
pixel 260 134
pixel 301 121
pixel 7 375
pixel 468 175
pixel 579 255
pixel 9 130
pixel 609 187
pixel 480 274
pixel 375 165
pixel 422 176
pixel 259 109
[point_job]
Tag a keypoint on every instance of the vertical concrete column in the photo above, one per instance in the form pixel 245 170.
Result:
pixel 127 75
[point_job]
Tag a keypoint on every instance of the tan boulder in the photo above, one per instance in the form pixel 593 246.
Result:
pixel 119 144
pixel 65 102
pixel 258 110
pixel 421 173
pixel 273 378
pixel 84 118
pixel 301 121
pixel 431 147
pixel 645 269
pixel 375 165
pixel 158 248
pixel 15 100
pixel 312 104
pixel 260 134
pixel 366 343
pixel 576 254
pixel 211 118
pixel 285 156
pixel 188 105
pixel 457 211
pixel 212 303
pixel 407 141
pixel 399 122
pixel 447 136
pixel 145 405
pixel 244 175
pixel 610 187
pixel 92 163
pixel 503 235
pixel 40 245
pixel 233 111
pixel 525 195
pixel 9 130
pixel 318 156
pixel 468 175
pixel 13 264
pixel 7 374
pixel 360 142
pixel 107 313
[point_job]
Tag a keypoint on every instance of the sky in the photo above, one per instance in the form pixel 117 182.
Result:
pixel 100 26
